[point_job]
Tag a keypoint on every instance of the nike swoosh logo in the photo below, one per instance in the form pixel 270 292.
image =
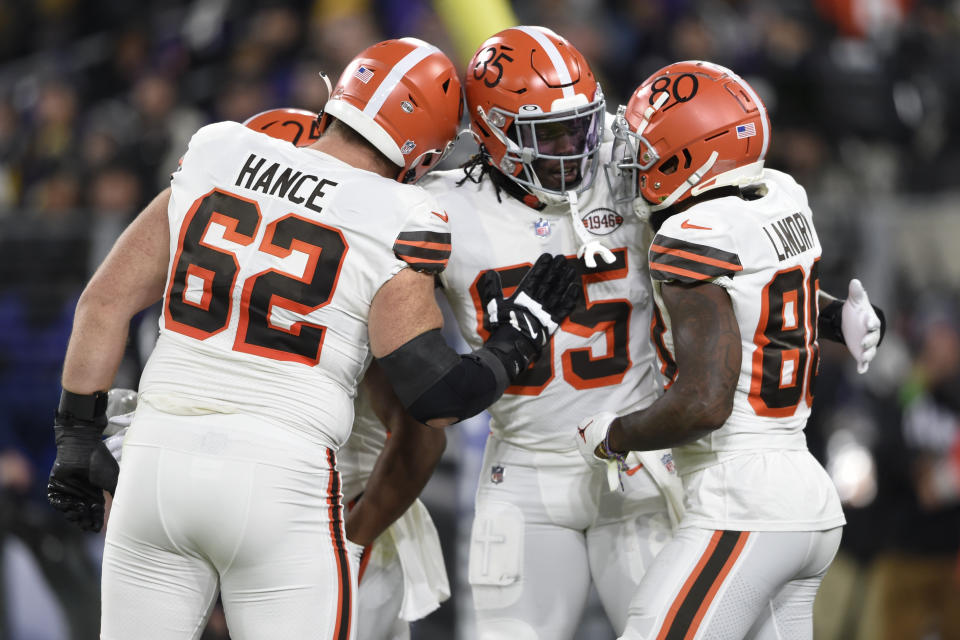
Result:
pixel 534 334
pixel 686 225
pixel 443 216
pixel 633 470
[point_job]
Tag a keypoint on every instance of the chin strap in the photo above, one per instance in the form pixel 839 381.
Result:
pixel 589 247
pixel 326 81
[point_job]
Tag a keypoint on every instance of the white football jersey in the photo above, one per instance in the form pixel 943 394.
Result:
pixel 601 357
pixel 765 253
pixel 276 253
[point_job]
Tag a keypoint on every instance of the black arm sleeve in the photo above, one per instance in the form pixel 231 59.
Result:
pixel 434 381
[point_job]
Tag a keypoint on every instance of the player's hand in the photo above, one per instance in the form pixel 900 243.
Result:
pixel 114 443
pixel 121 405
pixel 591 439
pixel 83 467
pixel 544 297
pixel 863 326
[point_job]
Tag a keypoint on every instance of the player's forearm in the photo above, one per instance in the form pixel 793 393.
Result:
pixel 675 419
pixel 96 347
pixel 130 279
pixel 708 350
pixel 399 475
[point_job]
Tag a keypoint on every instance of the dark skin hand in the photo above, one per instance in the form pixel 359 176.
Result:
pixel 708 352
pixel 408 459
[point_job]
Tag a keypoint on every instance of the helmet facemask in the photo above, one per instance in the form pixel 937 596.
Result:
pixel 557 152
pixel 631 155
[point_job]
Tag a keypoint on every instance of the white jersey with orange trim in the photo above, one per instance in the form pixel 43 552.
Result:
pixel 601 356
pixel 765 253
pixel 276 254
pixel 537 500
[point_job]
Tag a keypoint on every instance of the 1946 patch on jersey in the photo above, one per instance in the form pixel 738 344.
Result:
pixel 602 221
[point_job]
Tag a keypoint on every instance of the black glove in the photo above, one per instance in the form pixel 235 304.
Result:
pixel 522 324
pixel 544 297
pixel 83 467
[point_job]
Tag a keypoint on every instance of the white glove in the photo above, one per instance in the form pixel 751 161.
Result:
pixel 121 407
pixel 591 440
pixel 115 442
pixel 861 326
pixel 120 400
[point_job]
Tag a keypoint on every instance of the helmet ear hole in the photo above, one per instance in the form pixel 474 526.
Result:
pixel 669 166
pixel 687 160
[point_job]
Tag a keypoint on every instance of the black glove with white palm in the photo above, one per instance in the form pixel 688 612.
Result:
pixel 521 324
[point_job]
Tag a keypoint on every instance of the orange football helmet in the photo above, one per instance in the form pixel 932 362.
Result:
pixel 690 127
pixel 532 98
pixel 405 98
pixel 297 126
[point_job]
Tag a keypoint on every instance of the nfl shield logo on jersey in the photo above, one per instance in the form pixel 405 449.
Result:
pixel 542 228
pixel 496 474
pixel 667 461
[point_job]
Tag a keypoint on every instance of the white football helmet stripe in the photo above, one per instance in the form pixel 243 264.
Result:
pixel 396 75
pixel 551 50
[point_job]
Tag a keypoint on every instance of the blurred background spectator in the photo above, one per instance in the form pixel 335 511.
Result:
pixel 98 100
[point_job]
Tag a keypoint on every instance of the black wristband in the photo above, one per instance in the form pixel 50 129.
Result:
pixel 830 322
pixel 82 407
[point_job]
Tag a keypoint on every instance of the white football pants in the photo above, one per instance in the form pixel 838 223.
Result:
pixel 733 584
pixel 546 525
pixel 225 503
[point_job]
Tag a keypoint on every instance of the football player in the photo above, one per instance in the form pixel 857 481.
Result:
pixel 547 525
pixel 734 265
pixel 383 466
pixel 281 271
pixel 403 577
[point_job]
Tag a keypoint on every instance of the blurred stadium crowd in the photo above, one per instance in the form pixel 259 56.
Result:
pixel 98 99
